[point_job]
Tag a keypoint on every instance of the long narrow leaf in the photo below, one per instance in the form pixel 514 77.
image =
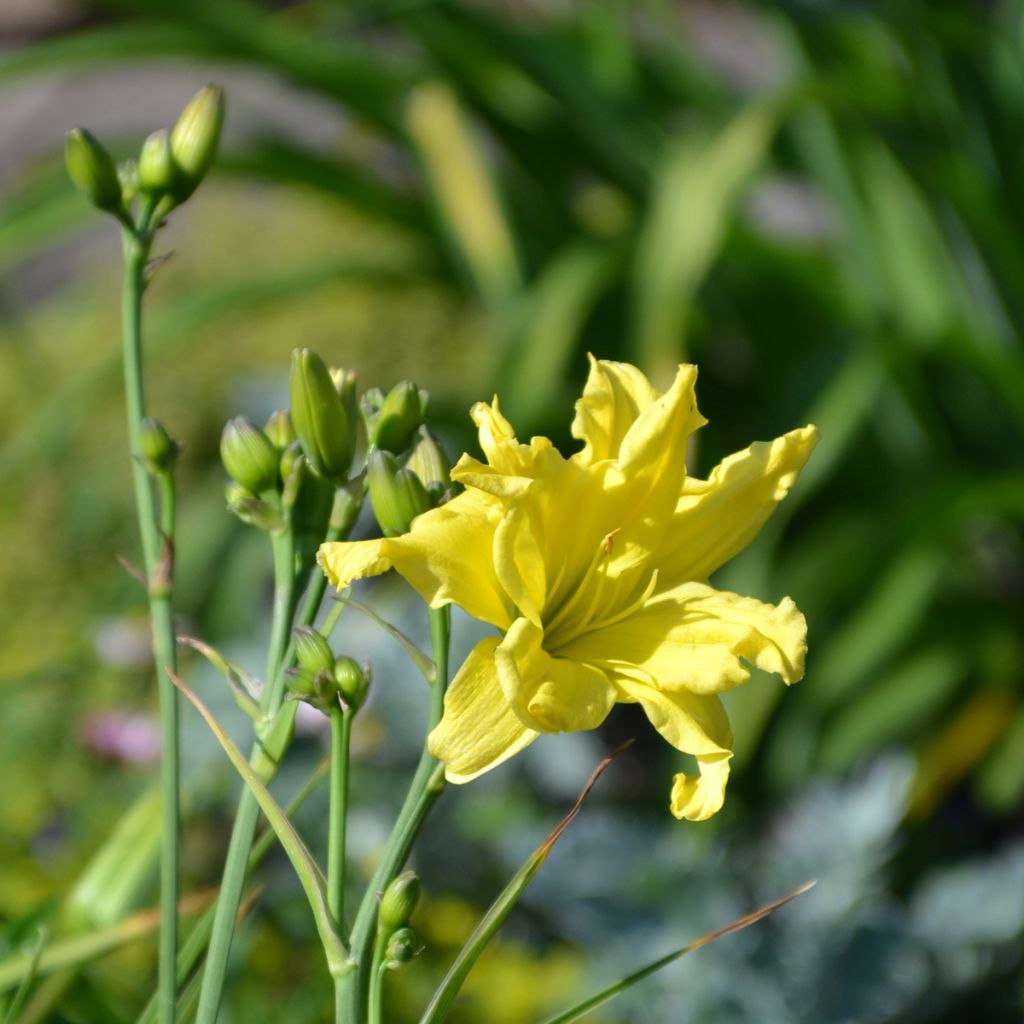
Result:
pixel 31 969
pixel 419 659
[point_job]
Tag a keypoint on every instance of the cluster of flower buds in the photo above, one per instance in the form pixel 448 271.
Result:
pixel 402 944
pixel 323 680
pixel 170 165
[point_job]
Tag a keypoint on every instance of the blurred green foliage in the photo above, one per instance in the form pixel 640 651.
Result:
pixel 821 205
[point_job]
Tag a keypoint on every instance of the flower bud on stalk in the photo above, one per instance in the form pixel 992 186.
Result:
pixel 157 170
pixel 318 416
pixel 128 176
pixel 399 901
pixel 402 947
pixel 312 651
pixel 396 494
pixel 401 413
pixel 92 170
pixel 158 448
pixel 427 460
pixel 195 137
pixel 280 431
pixel 353 681
pixel 252 510
pixel 248 455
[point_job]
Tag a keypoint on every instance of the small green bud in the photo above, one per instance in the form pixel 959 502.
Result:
pixel 92 169
pixel 348 500
pixel 280 431
pixel 301 682
pixel 248 455
pixel 251 509
pixel 353 682
pixel 397 495
pixel 399 901
pixel 128 176
pixel 158 449
pixel 195 137
pixel 157 169
pixel 318 416
pixel 290 458
pixel 428 461
pixel 312 651
pixel 400 415
pixel 402 947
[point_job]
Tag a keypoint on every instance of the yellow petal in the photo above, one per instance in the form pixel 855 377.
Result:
pixel 717 517
pixel 698 797
pixel 550 694
pixel 519 561
pixel 700 639
pixel 478 729
pixel 349 561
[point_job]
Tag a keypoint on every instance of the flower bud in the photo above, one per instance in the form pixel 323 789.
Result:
pixel 401 412
pixel 252 510
pixel 248 455
pixel 158 449
pixel 399 901
pixel 428 461
pixel 318 416
pixel 353 682
pixel 280 431
pixel 290 458
pixel 195 137
pixel 312 651
pixel 92 169
pixel 402 947
pixel 157 170
pixel 397 496
pixel 128 176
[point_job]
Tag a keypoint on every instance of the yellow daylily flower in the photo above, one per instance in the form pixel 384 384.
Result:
pixel 593 568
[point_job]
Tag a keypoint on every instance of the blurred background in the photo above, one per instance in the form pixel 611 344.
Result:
pixel 822 205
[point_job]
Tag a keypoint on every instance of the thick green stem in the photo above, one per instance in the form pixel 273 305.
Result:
pixel 341 732
pixel 158 556
pixel 236 863
pixel 426 786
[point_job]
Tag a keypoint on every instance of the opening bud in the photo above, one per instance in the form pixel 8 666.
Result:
pixel 92 170
pixel 312 650
pixel 280 431
pixel 318 416
pixel 248 455
pixel 396 494
pixel 158 448
pixel 402 947
pixel 428 461
pixel 157 170
pixel 353 681
pixel 399 901
pixel 195 137
pixel 401 413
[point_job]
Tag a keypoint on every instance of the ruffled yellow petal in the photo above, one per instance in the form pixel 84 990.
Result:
pixel 478 729
pixel 519 561
pixel 698 797
pixel 346 562
pixel 701 639
pixel 717 517
pixel 550 694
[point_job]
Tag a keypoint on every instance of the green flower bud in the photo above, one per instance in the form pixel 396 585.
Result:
pixel 195 137
pixel 312 651
pixel 396 494
pixel 428 461
pixel 280 431
pixel 248 455
pixel 348 500
pixel 92 169
pixel 301 682
pixel 400 415
pixel 353 682
pixel 319 416
pixel 402 947
pixel 399 901
pixel 290 458
pixel 251 509
pixel 157 169
pixel 158 449
pixel 128 176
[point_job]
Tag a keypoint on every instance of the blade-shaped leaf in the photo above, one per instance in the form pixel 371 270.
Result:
pixel 419 659
pixel 244 687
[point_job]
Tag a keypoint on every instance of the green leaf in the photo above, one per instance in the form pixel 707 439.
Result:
pixel 244 687
pixel 419 659
pixel 29 976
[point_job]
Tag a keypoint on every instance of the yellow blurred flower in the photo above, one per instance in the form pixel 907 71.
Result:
pixel 593 569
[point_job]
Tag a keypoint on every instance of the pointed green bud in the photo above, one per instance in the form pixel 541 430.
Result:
pixel 318 416
pixel 348 500
pixel 396 494
pixel 251 509
pixel 92 169
pixel 290 458
pixel 157 169
pixel 301 682
pixel 399 901
pixel 158 448
pixel 402 947
pixel 248 455
pixel 400 415
pixel 195 137
pixel 312 651
pixel 353 681
pixel 428 461
pixel 280 431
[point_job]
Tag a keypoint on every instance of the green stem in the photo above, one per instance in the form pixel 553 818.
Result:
pixel 375 1013
pixel 236 862
pixel 341 732
pixel 426 786
pixel 158 561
